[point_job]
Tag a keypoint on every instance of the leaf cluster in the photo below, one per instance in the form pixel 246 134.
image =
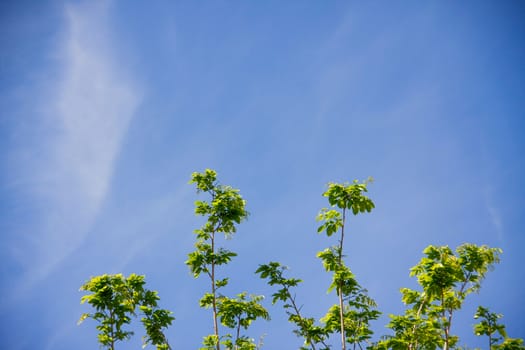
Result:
pixel 116 299
pixel 305 327
pixel 225 209
pixel 446 278
pixel 356 309
pixel 205 256
pixel 495 331
pixel 223 212
pixel 350 196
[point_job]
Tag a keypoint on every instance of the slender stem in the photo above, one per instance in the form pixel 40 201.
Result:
pixel 238 332
pixel 297 312
pixel 112 330
pixel 358 344
pixel 446 329
pixel 340 286
pixel 419 310
pixel 449 326
pixel 450 310
pixel 166 341
pixel 214 292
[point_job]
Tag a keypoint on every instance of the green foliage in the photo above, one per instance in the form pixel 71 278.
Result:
pixel 351 317
pixel 237 313
pixel 204 257
pixel 510 344
pixel 350 196
pixel 224 210
pixel 358 312
pixel 445 277
pixel 113 305
pixel 332 221
pixel 343 280
pixel 305 327
pixel 115 299
pixel 355 310
pixel 210 342
pixel 241 312
pixel 343 196
pixel 412 331
pixel 489 326
pixel 495 331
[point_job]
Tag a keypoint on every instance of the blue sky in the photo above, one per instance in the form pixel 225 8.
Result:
pixel 107 107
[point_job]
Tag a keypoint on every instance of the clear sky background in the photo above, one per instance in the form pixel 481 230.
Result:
pixel 107 107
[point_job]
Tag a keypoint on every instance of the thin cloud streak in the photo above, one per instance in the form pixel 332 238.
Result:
pixel 93 106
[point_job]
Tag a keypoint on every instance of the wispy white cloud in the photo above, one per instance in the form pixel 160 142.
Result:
pixel 91 105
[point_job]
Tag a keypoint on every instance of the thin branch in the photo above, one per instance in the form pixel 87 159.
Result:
pixel 298 312
pixel 340 286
